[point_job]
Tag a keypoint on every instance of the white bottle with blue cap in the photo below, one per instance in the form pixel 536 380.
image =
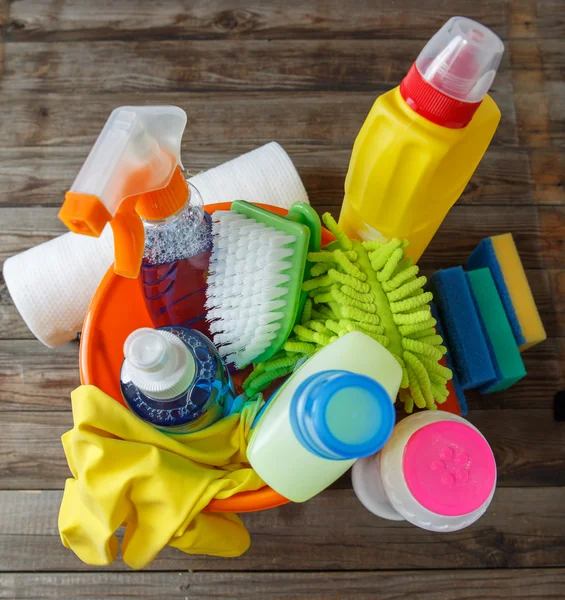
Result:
pixel 337 407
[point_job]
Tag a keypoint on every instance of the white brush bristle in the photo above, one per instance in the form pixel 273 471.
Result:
pixel 246 293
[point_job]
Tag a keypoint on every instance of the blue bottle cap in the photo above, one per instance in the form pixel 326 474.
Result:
pixel 341 415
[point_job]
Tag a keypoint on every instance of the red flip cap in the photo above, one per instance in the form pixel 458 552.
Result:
pixel 453 73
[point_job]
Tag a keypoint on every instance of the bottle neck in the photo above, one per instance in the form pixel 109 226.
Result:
pixel 164 203
pixel 169 219
pixel 435 106
pixel 340 415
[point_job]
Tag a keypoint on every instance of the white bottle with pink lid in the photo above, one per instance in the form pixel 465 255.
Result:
pixel 437 471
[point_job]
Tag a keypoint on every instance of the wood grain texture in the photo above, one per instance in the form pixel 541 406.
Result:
pixel 304 73
pixel 242 65
pixel 242 19
pixel 35 376
pixel 3 20
pixel 31 176
pixel 540 110
pixel 330 532
pixel 528 444
pixel 541 584
pixel 234 65
pixel 247 119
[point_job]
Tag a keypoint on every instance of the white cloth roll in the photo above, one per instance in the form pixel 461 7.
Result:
pixel 265 175
pixel 52 284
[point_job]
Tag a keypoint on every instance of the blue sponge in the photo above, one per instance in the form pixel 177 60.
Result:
pixel 463 329
pixel 459 393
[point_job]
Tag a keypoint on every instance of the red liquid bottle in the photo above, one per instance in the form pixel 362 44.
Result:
pixel 175 265
pixel 133 180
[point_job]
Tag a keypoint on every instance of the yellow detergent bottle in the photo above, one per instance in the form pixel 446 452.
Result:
pixel 423 140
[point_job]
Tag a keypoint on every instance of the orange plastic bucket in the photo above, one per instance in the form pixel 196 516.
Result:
pixel 116 310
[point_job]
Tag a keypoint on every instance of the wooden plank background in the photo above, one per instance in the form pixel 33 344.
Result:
pixel 305 73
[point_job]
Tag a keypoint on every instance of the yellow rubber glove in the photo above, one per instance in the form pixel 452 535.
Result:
pixel 126 472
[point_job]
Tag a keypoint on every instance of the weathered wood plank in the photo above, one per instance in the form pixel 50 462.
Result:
pixel 542 584
pixel 547 173
pixel 307 118
pixel 529 446
pixel 36 462
pixel 36 378
pixel 3 19
pixel 534 19
pixel 553 307
pixel 30 176
pixel 293 19
pixel 26 227
pixel 243 65
pixel 552 231
pixel 539 238
pixel 540 111
pixel 522 528
pixel 233 65
pixel 533 56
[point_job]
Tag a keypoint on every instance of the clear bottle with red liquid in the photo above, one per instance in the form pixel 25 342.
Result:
pixel 133 179
pixel 175 265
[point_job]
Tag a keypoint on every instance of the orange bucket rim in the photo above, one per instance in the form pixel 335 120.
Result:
pixel 263 498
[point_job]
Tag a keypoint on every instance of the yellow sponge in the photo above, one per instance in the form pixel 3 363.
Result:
pixel 499 253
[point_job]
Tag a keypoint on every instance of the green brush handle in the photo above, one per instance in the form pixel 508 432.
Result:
pixel 300 212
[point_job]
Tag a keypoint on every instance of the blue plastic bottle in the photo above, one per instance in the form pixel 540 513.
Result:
pixel 174 378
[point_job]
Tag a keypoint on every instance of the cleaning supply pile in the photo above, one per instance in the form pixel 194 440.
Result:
pixel 253 355
pixel 370 287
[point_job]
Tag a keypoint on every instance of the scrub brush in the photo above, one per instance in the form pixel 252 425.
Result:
pixel 257 267
pixel 369 287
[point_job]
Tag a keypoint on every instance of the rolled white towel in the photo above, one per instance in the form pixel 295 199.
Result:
pixel 52 284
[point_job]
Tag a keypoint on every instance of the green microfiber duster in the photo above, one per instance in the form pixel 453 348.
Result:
pixel 369 287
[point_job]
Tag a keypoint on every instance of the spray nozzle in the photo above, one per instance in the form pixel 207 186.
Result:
pixel 132 171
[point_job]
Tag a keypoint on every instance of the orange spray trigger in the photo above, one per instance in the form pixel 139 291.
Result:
pixel 133 165
pixel 85 214
pixel 129 239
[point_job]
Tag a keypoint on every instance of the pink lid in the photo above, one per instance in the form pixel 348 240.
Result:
pixel 449 468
